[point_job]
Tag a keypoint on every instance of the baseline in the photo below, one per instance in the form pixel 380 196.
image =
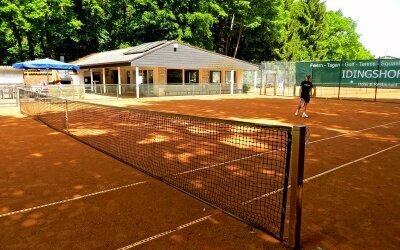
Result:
pixel 165 233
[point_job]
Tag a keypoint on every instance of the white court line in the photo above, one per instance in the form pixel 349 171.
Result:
pixel 243 158
pixel 226 162
pixel 321 174
pixel 349 163
pixel 164 233
pixel 72 199
pixel 355 131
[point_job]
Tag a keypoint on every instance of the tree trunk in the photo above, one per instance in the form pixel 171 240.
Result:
pixel 17 36
pixel 227 44
pixel 238 41
pixel 51 51
pixel 42 44
pixel 124 10
pixel 228 39
pixel 31 45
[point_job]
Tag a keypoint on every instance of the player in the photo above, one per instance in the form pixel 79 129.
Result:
pixel 305 96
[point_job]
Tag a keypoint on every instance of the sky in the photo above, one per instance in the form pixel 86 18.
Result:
pixel 378 23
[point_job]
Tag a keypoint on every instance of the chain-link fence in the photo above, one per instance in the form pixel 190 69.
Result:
pixel 377 80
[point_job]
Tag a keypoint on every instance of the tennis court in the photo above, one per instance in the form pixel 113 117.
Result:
pixel 77 197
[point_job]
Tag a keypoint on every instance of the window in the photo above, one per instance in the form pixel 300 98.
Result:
pixel 215 76
pixel 228 76
pixel 114 76
pixel 96 77
pixel 191 76
pixel 147 76
pixel 174 76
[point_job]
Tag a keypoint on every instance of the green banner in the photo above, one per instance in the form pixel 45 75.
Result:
pixel 384 73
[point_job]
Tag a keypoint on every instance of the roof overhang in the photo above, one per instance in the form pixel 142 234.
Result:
pixel 106 65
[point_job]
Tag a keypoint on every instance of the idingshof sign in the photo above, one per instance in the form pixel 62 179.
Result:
pixel 384 73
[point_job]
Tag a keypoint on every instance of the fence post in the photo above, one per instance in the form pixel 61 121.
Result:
pixel 255 82
pixel 340 78
pixel 66 116
pixel 377 79
pixel 261 79
pixel 294 89
pixel 19 100
pixel 138 81
pixel 296 184
pixel 17 95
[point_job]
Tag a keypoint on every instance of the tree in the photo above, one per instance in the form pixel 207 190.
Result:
pixel 313 33
pixel 252 30
pixel 293 47
pixel 343 42
pixel 13 20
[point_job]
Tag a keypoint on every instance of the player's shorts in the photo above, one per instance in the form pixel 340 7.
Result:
pixel 306 99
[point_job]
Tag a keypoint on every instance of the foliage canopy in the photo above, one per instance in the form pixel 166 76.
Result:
pixel 252 30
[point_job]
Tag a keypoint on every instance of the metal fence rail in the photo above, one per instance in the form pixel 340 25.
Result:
pixel 104 91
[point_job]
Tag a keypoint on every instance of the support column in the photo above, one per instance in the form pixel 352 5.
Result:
pixel 137 82
pixel 104 80
pixel 91 80
pixel 232 81
pixel 119 81
pixel 255 82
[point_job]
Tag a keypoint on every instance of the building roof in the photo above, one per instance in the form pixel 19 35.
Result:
pixel 170 54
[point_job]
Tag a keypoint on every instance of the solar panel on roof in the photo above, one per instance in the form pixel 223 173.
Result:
pixel 144 47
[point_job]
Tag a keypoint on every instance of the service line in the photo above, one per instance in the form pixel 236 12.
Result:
pixel 281 149
pixel 355 131
pixel 321 174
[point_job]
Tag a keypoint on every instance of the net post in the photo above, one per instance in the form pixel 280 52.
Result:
pixel 296 183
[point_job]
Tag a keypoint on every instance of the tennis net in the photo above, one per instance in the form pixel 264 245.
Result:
pixel 239 167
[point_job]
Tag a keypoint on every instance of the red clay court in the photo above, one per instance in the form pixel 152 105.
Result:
pixel 59 193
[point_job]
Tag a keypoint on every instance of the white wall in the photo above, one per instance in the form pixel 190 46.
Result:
pixel 75 79
pixel 9 75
